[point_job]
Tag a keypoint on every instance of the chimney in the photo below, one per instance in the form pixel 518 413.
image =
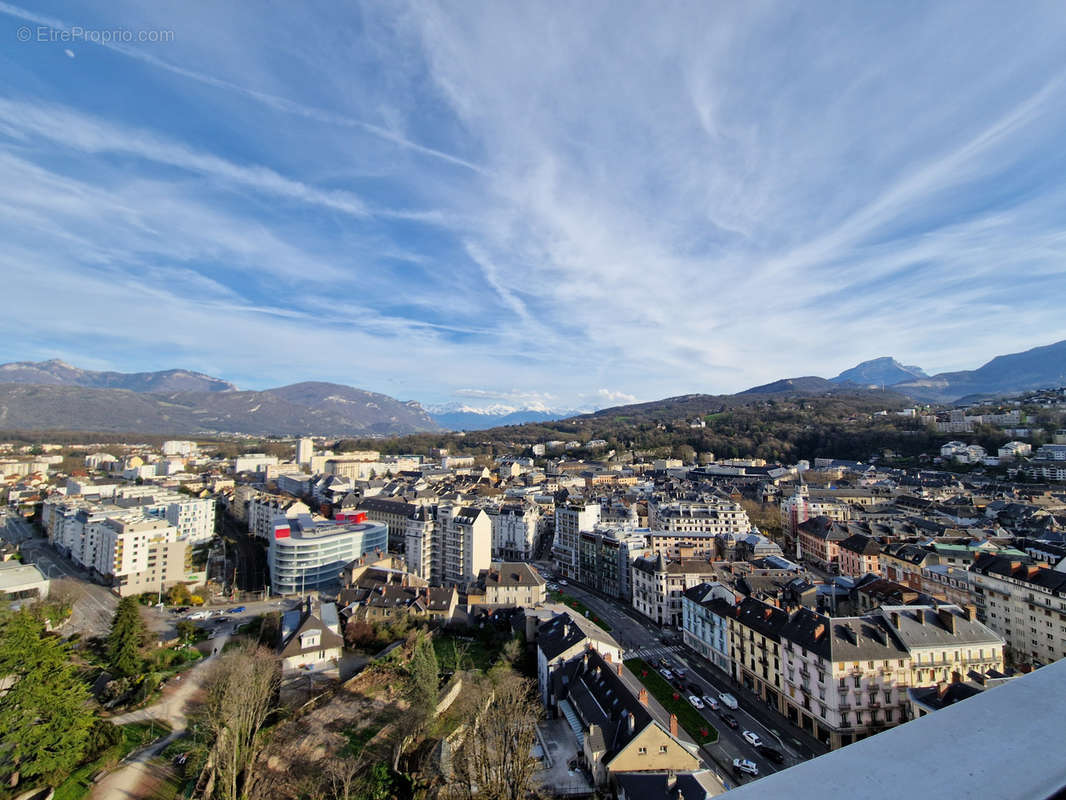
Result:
pixel 619 669
pixel 895 620
pixel 671 781
pixel 919 615
pixel 819 631
pixel 642 696
pixel 947 619
pixel 941 689
pixel 632 723
pixel 673 725
pixel 956 677
pixel 970 612
pixel 607 656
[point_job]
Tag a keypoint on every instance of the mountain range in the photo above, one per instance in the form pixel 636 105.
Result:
pixel 462 417
pixel 53 395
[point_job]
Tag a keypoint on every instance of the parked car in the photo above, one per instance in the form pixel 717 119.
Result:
pixel 710 702
pixel 236 610
pixel 668 674
pixel 728 701
pixel 680 672
pixel 752 738
pixel 730 720
pixel 745 766
pixel 664 663
pixel 562 582
pixel 771 753
pixel 695 700
pixel 221 620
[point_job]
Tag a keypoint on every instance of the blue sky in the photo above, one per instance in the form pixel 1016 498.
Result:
pixel 561 205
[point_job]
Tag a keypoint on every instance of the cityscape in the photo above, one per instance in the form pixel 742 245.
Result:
pixel 441 401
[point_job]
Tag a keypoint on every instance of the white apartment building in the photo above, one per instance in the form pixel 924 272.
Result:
pixel 254 462
pixel 1025 603
pixel 193 517
pixel 140 554
pixel 714 516
pixel 466 539
pixel 305 448
pixel 422 545
pixel 570 521
pixel 265 509
pixel 1013 450
pixel 176 447
pixel 514 531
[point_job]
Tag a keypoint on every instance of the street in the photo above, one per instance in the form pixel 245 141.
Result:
pixel 642 639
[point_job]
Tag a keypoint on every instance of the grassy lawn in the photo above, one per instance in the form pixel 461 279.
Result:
pixel 578 606
pixel 687 717
pixel 78 784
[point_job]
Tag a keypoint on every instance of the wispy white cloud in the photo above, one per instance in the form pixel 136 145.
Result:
pixel 655 200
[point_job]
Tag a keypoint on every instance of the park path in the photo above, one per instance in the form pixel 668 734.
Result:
pixel 132 777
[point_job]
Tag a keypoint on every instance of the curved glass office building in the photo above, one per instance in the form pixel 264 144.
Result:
pixel 308 554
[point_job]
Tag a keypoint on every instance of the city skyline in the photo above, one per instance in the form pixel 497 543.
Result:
pixel 490 205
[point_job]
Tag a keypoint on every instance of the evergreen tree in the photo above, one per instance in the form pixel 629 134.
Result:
pixel 45 715
pixel 126 639
pixel 424 672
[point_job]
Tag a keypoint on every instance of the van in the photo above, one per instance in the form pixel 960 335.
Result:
pixel 728 701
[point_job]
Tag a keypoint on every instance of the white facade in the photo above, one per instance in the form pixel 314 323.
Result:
pixel 514 532
pixel 253 462
pixel 193 517
pixel 306 554
pixel 305 448
pixel 175 447
pixel 466 539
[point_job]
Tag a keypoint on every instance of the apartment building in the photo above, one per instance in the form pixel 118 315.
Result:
pixel 514 531
pixel 139 554
pixel 658 585
pixel 716 515
pixel 422 545
pixel 1024 602
pixel 705 613
pixel 846 678
pixel 800 507
pixel 266 509
pixel 466 543
pixel 570 520
pixel 513 584
pixel 393 513
pixel 858 555
pixel 605 559
pixel 755 647
pixel 818 541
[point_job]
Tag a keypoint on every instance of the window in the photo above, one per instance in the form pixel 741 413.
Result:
pixel 642 751
pixel 662 748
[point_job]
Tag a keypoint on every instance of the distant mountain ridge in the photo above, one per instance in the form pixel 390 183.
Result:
pixel 884 371
pixel 60 373
pixel 52 395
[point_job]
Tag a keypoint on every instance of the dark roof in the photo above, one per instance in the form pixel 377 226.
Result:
pixel 761 617
pixel 1021 569
pixel 863 545
pixel 510 573
pixel 384 506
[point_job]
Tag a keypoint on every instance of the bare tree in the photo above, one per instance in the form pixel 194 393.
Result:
pixel 343 774
pixel 494 760
pixel 241 695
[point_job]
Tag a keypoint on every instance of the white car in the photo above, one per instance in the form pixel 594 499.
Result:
pixel 563 582
pixel 696 702
pixel 728 701
pixel 668 674
pixel 710 702
pixel 746 766
pixel 752 738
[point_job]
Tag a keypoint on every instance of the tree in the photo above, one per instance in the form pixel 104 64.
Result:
pixel 186 630
pixel 126 639
pixel 45 716
pixel 423 676
pixel 495 758
pixel 179 595
pixel 241 696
